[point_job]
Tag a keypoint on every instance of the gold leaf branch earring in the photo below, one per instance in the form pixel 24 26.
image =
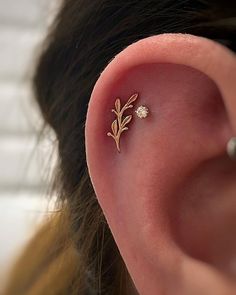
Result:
pixel 119 124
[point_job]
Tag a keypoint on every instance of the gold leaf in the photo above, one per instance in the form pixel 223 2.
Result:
pixel 114 127
pixel 114 111
pixel 129 106
pixel 126 120
pixel 125 128
pixel 109 134
pixel 132 98
pixel 117 105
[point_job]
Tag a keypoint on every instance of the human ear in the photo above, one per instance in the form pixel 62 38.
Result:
pixel 168 195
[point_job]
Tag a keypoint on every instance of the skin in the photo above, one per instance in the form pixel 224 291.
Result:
pixel 168 196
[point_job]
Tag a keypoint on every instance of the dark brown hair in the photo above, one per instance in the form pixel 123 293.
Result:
pixel 75 253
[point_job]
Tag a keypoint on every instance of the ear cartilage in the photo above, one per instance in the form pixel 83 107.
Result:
pixel 142 112
pixel 119 124
pixel 231 148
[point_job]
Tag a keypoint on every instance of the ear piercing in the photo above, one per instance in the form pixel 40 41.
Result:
pixel 142 112
pixel 119 124
pixel 231 148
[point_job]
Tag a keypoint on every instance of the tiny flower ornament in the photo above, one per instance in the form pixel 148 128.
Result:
pixel 142 112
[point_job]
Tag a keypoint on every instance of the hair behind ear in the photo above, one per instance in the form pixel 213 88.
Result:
pixel 86 35
pixel 65 261
pixel 50 246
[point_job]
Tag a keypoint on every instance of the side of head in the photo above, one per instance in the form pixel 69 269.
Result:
pixel 155 205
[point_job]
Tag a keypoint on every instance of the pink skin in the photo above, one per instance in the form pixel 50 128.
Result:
pixel 169 195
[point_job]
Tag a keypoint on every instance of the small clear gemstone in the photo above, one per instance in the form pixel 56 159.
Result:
pixel 142 112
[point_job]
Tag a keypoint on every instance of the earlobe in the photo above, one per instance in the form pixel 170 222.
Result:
pixel 140 173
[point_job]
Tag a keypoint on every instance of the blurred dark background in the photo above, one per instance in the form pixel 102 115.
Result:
pixel 23 188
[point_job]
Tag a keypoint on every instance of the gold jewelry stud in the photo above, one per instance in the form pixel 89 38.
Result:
pixel 142 112
pixel 119 124
pixel 231 148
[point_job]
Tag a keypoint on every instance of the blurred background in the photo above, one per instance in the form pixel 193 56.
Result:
pixel 24 161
